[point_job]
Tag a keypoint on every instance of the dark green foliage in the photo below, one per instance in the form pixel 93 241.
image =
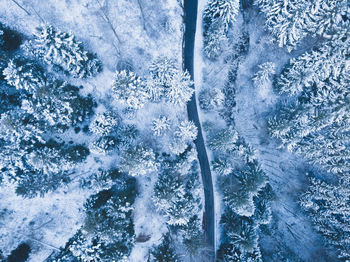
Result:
pixel 108 230
pixel 10 40
pixel 20 254
pixel 165 252
pixel 63 51
pixel 33 183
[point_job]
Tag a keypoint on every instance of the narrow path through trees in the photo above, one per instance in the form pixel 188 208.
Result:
pixel 190 9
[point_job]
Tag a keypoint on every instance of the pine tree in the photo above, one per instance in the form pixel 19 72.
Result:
pixel 63 50
pixel 108 230
pixel 163 69
pixel 264 74
pixel 104 124
pixel 224 141
pixel 328 207
pixel 138 160
pixel 223 10
pixel 160 125
pixel 59 105
pixel 291 20
pixel 23 74
pixel 129 89
pixel 165 252
pixel 214 39
pixel 179 88
pixel 211 99
pixel 222 166
pixel 186 130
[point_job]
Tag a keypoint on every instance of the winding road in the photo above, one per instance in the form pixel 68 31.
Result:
pixel 190 18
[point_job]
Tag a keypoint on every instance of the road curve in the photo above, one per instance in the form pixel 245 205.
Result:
pixel 190 18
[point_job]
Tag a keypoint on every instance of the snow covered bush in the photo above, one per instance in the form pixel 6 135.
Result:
pixel 160 125
pixel 211 99
pixel 214 39
pixel 129 89
pixel 63 50
pixel 264 74
pixel 138 160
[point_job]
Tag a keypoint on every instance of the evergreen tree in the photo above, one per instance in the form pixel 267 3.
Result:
pixel 104 124
pixel 165 252
pixel 329 209
pixel 64 51
pixel 223 10
pixel 23 74
pixel 108 230
pixel 211 99
pixel 316 125
pixel 163 69
pixel 224 141
pixel 264 74
pixel 129 89
pixel 291 20
pixel 138 160
pixel 160 125
pixel 179 88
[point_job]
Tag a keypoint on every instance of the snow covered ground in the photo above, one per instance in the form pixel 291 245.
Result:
pixel 124 34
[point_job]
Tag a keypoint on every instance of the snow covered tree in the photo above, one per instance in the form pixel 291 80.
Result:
pixel 24 74
pixel 160 125
pixel 64 51
pixel 129 89
pixel 108 230
pixel 192 235
pixel 217 17
pixel 103 145
pixel 104 124
pixel 186 130
pixel 264 74
pixel 211 99
pixel 329 209
pixel 10 40
pixel 214 39
pixel 155 89
pixel 291 20
pixel 184 135
pixel 165 252
pixel 222 166
pixel 176 195
pixel 163 69
pixel 138 160
pixel 225 140
pixel 59 105
pixel 316 124
pixel 179 88
pixel 223 10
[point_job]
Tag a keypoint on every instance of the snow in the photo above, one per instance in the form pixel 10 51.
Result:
pixel 134 49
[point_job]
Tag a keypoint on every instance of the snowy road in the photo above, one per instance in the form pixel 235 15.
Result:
pixel 191 7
